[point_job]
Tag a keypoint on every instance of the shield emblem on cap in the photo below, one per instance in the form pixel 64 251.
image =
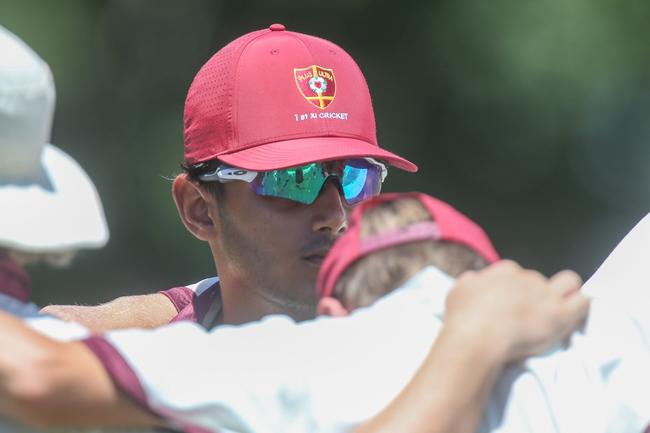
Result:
pixel 316 84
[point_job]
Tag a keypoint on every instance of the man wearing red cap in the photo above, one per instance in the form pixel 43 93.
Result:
pixel 280 142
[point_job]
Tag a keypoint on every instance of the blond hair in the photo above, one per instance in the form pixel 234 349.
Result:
pixel 372 276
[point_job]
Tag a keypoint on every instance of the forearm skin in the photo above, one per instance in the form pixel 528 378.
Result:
pixel 142 311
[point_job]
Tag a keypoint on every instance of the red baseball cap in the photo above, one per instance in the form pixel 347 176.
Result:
pixel 448 224
pixel 274 99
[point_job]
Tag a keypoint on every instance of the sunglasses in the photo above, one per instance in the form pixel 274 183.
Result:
pixel 357 179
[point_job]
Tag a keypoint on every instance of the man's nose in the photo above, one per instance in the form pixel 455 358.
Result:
pixel 330 210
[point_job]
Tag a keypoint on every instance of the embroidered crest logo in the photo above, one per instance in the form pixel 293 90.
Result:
pixel 317 85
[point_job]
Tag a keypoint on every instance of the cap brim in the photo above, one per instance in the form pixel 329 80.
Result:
pixel 61 213
pixel 292 153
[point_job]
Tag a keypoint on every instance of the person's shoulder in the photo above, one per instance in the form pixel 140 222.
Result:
pixel 199 302
pixel 203 285
pixel 182 296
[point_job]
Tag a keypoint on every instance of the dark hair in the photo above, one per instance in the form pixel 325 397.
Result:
pixel 194 171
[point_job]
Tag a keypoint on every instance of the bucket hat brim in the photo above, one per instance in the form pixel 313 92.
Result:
pixel 60 211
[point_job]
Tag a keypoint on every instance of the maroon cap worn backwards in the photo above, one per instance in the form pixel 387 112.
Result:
pixel 273 99
pixel 448 224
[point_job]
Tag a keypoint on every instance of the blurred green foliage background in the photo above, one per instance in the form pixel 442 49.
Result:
pixel 530 116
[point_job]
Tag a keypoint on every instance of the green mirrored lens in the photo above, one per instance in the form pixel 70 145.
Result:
pixel 302 184
pixel 358 178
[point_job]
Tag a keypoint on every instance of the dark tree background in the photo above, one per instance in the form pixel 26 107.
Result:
pixel 530 116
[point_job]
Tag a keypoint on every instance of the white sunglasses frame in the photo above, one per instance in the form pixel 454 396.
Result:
pixel 225 173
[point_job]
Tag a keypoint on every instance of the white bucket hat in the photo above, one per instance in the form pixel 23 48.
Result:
pixel 48 203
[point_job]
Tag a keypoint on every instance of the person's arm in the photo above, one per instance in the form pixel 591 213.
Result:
pixel 141 311
pixel 239 387
pixel 46 383
pixel 500 315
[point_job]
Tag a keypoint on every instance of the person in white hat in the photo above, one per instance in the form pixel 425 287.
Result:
pixel 49 207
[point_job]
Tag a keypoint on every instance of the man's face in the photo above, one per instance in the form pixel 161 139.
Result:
pixel 273 247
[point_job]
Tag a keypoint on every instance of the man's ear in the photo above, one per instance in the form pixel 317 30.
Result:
pixel 193 204
pixel 331 307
